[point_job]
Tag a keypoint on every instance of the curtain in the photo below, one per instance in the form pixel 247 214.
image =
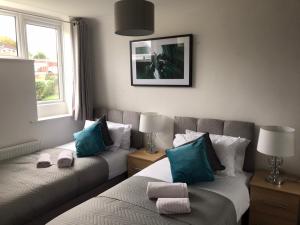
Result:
pixel 83 82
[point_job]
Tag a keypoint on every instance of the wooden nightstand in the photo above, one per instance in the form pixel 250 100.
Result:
pixel 273 205
pixel 140 159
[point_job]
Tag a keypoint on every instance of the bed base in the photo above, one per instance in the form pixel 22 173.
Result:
pixel 45 218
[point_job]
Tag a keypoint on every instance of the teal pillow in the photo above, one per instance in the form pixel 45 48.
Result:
pixel 189 163
pixel 89 141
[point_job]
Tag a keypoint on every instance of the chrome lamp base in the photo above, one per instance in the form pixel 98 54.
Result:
pixel 151 149
pixel 274 176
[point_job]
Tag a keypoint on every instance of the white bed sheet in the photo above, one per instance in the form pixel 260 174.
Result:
pixel 233 188
pixel 116 160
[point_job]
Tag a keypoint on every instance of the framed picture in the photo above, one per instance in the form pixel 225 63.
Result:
pixel 165 61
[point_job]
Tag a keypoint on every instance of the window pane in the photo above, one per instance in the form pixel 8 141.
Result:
pixel 8 39
pixel 43 49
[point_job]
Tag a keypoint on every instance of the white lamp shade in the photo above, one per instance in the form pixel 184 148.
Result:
pixel 150 123
pixel 276 141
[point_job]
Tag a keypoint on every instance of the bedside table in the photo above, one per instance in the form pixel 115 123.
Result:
pixel 271 204
pixel 140 159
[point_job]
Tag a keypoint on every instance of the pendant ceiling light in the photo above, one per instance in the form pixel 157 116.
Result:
pixel 134 17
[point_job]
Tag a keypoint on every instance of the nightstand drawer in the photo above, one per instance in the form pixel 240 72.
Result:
pixel 140 159
pixel 258 218
pixel 136 165
pixel 274 205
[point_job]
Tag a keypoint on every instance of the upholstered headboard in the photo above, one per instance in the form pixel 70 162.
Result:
pixel 221 127
pixel 125 117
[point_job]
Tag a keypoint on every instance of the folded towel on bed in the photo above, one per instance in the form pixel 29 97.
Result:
pixel 65 159
pixel 44 160
pixel 167 190
pixel 173 205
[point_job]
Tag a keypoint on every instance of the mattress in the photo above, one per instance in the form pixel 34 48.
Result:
pixel 233 188
pixel 116 160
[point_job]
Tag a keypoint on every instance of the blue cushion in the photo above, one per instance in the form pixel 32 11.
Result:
pixel 89 141
pixel 189 163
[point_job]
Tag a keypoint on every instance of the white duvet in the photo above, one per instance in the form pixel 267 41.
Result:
pixel 234 188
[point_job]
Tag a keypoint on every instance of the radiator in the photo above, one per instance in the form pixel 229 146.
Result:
pixel 19 150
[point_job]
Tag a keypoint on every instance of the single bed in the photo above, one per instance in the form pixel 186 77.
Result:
pixel 233 188
pixel 35 196
pixel 116 160
pixel 222 202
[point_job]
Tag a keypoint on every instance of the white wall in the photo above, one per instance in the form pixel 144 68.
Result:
pixel 18 109
pixel 246 63
pixel 246 60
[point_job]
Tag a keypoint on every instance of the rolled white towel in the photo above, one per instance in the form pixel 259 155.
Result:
pixel 44 160
pixel 173 205
pixel 167 190
pixel 65 159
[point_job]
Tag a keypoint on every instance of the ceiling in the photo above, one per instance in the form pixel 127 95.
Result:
pixel 71 7
pixel 92 8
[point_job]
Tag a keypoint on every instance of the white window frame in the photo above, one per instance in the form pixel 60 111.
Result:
pixel 18 39
pixel 58 27
pixel 22 46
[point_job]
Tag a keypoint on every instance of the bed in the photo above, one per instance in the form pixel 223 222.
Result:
pixel 116 161
pixel 33 196
pixel 233 188
pixel 222 202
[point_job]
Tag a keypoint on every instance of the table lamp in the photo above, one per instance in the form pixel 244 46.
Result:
pixel 277 142
pixel 150 123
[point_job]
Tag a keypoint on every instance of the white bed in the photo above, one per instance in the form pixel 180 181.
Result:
pixel 234 188
pixel 116 160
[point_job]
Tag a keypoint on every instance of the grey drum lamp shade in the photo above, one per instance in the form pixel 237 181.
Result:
pixel 276 141
pixel 134 17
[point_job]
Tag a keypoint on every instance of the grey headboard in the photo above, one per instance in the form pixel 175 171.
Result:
pixel 125 117
pixel 221 127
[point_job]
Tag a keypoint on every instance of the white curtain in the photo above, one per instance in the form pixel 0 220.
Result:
pixel 83 81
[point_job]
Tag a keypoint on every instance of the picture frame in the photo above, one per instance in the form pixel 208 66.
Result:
pixel 162 61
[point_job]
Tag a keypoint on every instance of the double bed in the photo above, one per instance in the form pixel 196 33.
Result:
pixel 222 202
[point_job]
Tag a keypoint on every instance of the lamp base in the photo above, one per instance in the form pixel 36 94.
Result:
pixel 151 151
pixel 150 145
pixel 274 176
pixel 279 180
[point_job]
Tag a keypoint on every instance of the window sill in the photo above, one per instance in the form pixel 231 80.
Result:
pixel 52 110
pixel 41 119
pixel 3 58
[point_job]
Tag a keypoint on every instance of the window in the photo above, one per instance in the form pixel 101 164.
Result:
pixel 8 36
pixel 42 46
pixel 41 41
pixel 49 43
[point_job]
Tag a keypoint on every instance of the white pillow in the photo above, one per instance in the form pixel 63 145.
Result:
pixel 181 139
pixel 125 143
pixel 226 149
pixel 116 135
pixel 240 155
pixel 230 151
pixel 88 123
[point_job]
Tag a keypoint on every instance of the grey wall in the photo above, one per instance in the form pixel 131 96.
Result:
pixel 18 109
pixel 246 63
